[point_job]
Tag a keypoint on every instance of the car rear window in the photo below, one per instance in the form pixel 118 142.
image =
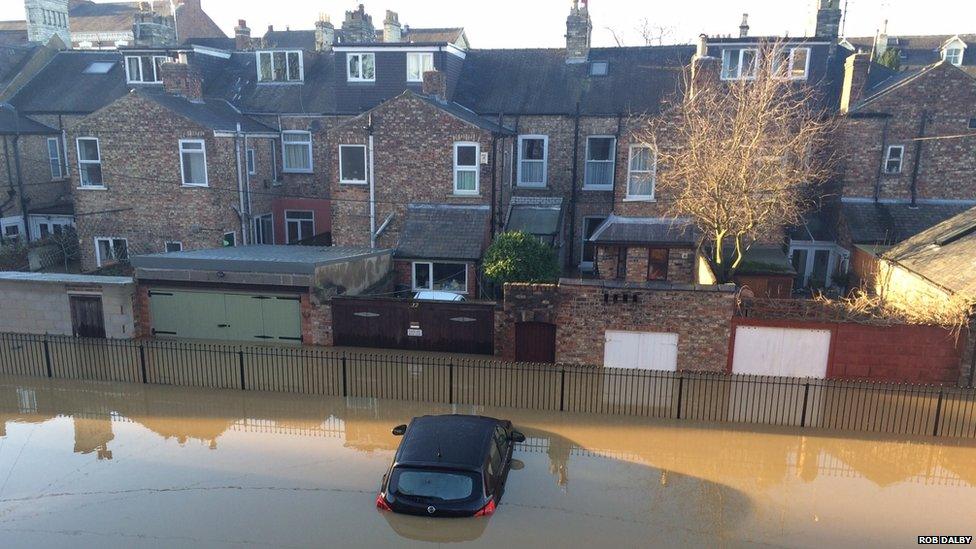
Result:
pixel 431 484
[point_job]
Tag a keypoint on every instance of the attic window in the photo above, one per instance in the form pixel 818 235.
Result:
pixel 599 68
pixel 972 123
pixel 280 66
pixel 953 55
pixel 99 67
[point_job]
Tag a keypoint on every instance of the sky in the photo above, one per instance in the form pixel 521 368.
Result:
pixel 541 23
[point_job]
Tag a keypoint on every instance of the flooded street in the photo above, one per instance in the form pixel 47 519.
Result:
pixel 111 465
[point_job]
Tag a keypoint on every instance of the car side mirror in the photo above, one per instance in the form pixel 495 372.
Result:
pixel 399 430
pixel 516 437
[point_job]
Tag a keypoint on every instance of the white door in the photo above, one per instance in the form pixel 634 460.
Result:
pixel 785 352
pixel 641 350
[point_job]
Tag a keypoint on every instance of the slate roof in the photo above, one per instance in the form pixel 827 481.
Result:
pixel 539 81
pixel 442 231
pixel 261 258
pixel 13 59
pixel 944 254
pixel 63 86
pixel 890 223
pixel 303 39
pixel 87 16
pixel 12 123
pixel 764 260
pixel 648 231
pixel 895 81
pixel 450 35
pixel 921 50
pixel 216 114
pixel 63 278
pixel 465 114
pixel 236 81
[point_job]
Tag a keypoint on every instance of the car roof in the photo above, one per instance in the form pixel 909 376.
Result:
pixel 438 295
pixel 451 440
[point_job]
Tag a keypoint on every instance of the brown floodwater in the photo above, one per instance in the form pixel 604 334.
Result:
pixel 86 464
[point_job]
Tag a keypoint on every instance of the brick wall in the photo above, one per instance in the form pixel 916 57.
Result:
pixel 316 321
pixel 946 95
pixel 681 264
pixel 144 200
pixel 413 163
pixel 42 187
pixel 584 310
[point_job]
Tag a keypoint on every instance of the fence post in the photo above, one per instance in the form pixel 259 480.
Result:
pixel 450 382
pixel 240 358
pixel 806 394
pixel 47 357
pixel 562 388
pixel 938 415
pixel 344 374
pixel 142 362
pixel 681 386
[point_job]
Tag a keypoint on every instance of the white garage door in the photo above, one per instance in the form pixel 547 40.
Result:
pixel 641 350
pixel 785 352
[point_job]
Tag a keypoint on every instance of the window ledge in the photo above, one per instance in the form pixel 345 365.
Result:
pixel 525 186
pixel 597 188
pixel 298 171
pixel 92 188
pixel 466 195
pixel 355 183
pixel 189 186
pixel 639 199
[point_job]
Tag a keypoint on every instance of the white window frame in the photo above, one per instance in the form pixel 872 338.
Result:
pixel 612 162
pixel 790 59
pixel 739 74
pixel 140 78
pixel 545 161
pixel 961 52
pixel 206 170
pixel 99 260
pixel 55 158
pixel 365 178
pixel 299 221
pixel 82 163
pixel 251 161
pixel 233 236
pixel 168 242
pixel 430 266
pixel 286 144
pixel 256 223
pixel 476 168
pixel 888 159
pixel 288 78
pixel 631 172
pixel 361 55
pixel 420 56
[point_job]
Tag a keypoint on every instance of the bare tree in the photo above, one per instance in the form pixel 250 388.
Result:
pixel 739 156
pixel 654 35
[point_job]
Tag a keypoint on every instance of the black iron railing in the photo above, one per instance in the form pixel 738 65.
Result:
pixel 920 410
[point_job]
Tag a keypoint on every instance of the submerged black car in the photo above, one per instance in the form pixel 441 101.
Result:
pixel 449 466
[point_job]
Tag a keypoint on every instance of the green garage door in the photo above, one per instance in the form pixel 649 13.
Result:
pixel 226 316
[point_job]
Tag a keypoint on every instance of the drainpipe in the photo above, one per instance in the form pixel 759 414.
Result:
pixel 11 193
pixel 24 201
pixel 372 186
pixel 918 159
pixel 494 153
pixel 240 184
pixel 884 145
pixel 572 195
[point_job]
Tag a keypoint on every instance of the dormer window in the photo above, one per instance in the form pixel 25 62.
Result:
pixel 280 66
pixel 144 69
pixel 417 64
pixel 361 67
pixel 792 63
pixel 953 55
pixel 739 64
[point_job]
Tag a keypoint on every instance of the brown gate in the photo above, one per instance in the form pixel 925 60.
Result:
pixel 535 342
pixel 456 327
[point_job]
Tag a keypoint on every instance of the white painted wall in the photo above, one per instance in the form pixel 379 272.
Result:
pixel 641 350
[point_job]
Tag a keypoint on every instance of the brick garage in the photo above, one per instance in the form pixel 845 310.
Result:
pixel 583 310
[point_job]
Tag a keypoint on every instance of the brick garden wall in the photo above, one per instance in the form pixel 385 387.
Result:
pixel 584 310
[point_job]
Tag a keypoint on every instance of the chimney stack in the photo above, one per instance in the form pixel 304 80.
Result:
pixel 324 34
pixel 242 36
pixel 435 85
pixel 828 19
pixel 179 78
pixel 857 67
pixel 744 26
pixel 392 32
pixel 705 70
pixel 881 42
pixel 358 27
pixel 579 29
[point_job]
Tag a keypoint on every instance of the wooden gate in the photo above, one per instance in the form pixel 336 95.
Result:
pixel 535 342
pixel 455 327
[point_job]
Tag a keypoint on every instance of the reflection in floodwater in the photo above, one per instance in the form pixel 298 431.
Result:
pixel 157 466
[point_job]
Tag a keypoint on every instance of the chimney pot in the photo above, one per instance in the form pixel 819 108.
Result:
pixel 702 49
pixel 744 26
